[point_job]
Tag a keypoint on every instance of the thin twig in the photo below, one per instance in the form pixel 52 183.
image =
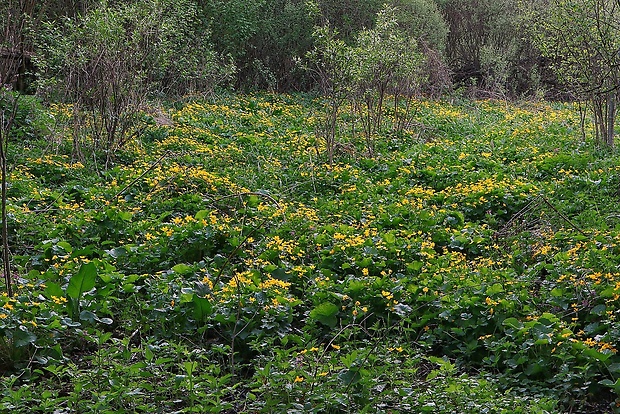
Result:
pixel 135 180
pixel 230 256
pixel 563 216
pixel 249 193
pixel 50 205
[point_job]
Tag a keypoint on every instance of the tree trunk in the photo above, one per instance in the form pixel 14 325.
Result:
pixel 611 118
pixel 7 116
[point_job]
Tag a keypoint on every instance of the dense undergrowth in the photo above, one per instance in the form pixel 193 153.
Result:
pixel 222 266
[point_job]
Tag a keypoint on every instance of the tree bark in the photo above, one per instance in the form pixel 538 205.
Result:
pixel 611 117
pixel 6 122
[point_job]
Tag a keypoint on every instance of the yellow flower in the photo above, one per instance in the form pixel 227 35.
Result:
pixel 590 342
pixel 490 301
pixel 299 379
pixel 3 316
pixel 365 271
pixel 8 306
pixel 59 300
pixel 336 347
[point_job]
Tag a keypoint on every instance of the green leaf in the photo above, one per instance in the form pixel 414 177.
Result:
pixel 202 308
pixel 325 313
pixel 355 287
pixel 148 353
pixel 88 316
pixel 608 293
pixel 70 323
pixel 598 309
pixel 415 266
pixel 82 281
pixel 533 369
pixel 53 289
pixel 190 367
pixel 402 309
pixel 202 214
pixel 182 269
pixel 125 215
pixel 557 292
pixel 614 368
pixel 281 274
pixel 512 323
pixel 253 201
pixel 593 353
pixel 495 289
pixel 389 238
pixel 66 246
pixel 23 337
pixel 610 383
pixel 178 379
pixel 350 376
pixel 187 295
pixel 117 252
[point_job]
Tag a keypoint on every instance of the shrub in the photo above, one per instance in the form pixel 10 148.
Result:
pixel 387 62
pixel 108 62
pixel 422 20
pixel 484 47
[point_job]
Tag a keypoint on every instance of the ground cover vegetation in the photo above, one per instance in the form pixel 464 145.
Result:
pixel 170 246
pixel 223 264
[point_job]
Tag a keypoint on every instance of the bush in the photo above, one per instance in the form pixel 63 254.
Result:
pixel 485 48
pixel 422 20
pixel 388 62
pixel 108 62
pixel 31 121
